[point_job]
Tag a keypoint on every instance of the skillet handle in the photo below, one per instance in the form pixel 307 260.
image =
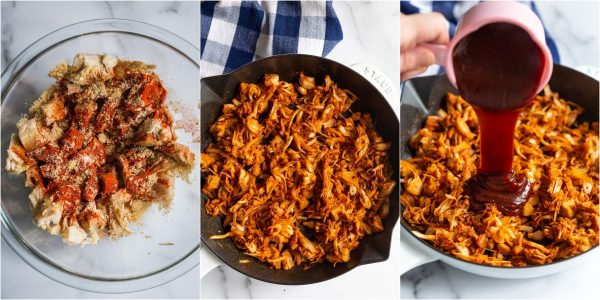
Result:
pixel 208 261
pixel 411 256
pixel 382 82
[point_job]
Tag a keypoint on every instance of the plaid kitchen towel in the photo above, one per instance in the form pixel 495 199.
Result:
pixel 233 33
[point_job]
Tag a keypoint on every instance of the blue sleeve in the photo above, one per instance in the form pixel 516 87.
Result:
pixel 549 40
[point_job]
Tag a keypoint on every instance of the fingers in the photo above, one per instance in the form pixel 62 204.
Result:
pixel 412 73
pixel 417 29
pixel 422 28
pixel 416 58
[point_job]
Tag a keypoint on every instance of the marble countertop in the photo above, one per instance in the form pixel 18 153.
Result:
pixel 371 36
pixel 574 27
pixel 22 24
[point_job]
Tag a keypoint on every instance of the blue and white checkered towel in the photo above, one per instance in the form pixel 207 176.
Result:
pixel 233 33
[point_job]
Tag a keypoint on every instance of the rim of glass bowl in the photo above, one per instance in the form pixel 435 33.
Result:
pixel 13 239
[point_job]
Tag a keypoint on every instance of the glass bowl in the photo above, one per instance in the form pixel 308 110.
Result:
pixel 164 245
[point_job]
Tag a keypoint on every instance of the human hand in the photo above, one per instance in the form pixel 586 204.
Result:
pixel 414 30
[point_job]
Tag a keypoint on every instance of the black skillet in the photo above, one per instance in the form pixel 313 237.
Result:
pixel 218 90
pixel 425 95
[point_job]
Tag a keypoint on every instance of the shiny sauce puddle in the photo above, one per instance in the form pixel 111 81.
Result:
pixel 498 68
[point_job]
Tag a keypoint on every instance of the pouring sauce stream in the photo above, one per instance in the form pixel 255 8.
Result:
pixel 498 68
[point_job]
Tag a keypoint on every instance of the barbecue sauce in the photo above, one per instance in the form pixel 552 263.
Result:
pixel 498 68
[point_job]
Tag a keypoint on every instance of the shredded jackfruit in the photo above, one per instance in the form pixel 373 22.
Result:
pixel 559 156
pixel 297 177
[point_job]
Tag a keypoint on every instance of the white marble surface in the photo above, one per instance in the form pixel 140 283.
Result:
pixel 574 27
pixel 22 24
pixel 371 35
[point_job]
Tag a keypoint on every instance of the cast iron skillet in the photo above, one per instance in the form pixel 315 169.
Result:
pixel 423 96
pixel 218 90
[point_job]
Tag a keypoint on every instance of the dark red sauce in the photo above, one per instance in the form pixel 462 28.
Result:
pixel 498 68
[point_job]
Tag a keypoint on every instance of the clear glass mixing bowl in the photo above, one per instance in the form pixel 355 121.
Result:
pixel 165 244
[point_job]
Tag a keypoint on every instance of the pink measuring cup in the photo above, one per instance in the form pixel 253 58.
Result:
pixel 494 12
